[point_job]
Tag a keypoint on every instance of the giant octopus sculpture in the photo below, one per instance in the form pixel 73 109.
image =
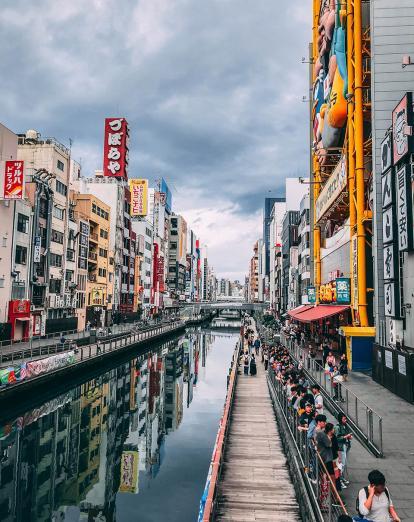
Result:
pixel 330 87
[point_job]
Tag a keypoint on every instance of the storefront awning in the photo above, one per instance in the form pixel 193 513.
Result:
pixel 315 313
pixel 299 310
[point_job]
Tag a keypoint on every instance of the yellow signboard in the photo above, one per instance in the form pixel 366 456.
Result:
pixel 129 472
pixel 139 197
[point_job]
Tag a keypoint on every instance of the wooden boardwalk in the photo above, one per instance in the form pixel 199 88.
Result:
pixel 255 484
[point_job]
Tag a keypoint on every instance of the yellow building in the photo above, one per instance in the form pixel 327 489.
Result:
pixel 98 295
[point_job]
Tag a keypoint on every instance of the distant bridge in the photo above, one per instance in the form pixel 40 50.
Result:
pixel 225 305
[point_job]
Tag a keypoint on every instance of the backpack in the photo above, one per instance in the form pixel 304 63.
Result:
pixel 366 494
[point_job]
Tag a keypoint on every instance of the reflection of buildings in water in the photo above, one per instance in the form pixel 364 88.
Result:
pixel 174 388
pixel 83 447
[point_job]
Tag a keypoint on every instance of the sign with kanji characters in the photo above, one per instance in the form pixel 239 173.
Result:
pixel 386 152
pixel 116 148
pixel 402 121
pixel 311 294
pixel 343 290
pixel 13 180
pixel 404 215
pixel 391 294
pixel 354 264
pixel 390 262
pixel 36 249
pixel 387 188
pixel 388 225
pixel 139 197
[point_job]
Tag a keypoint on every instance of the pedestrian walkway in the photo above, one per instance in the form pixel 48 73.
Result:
pixel 255 483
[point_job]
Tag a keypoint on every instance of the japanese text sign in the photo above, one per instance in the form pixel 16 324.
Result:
pixel 402 120
pixel 116 148
pixel 139 197
pixel 311 294
pixel 13 180
pixel 404 216
pixel 343 290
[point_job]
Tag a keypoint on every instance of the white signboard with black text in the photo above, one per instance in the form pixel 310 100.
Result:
pixel 390 261
pixel 387 189
pixel 388 225
pixel 390 297
pixel 404 217
pixel 386 153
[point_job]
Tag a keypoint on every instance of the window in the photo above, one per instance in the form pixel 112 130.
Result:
pixel 102 272
pixel 103 233
pixel 21 255
pixel 70 254
pixel 69 275
pixel 173 245
pixel 174 222
pixel 61 187
pixel 60 165
pixel 23 223
pixel 174 233
pixel 56 260
pixel 147 245
pixel 58 213
pixel 148 232
pixel 57 237
pixel 43 208
pixel 111 276
pixel 103 252
pixel 147 260
pixel 55 286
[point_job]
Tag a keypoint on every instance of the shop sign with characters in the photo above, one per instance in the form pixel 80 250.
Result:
pixel 13 180
pixel 116 148
pixel 312 294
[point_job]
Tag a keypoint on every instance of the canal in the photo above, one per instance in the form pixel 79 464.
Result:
pixel 133 444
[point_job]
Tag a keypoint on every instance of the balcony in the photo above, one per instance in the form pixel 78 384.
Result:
pixel 92 256
pixel 93 237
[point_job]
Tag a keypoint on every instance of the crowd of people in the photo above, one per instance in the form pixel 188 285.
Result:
pixel 332 440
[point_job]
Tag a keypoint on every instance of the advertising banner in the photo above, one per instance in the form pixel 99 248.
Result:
pixel 311 294
pixel 404 214
pixel 402 119
pixel 336 183
pixel 391 293
pixel 116 146
pixel 13 180
pixel 354 262
pixel 139 197
pixel 167 195
pixel 129 472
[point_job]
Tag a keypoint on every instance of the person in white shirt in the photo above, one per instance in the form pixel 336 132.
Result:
pixel 374 502
pixel 316 390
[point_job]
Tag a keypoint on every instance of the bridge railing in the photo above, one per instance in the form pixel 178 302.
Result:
pixel 208 500
pixel 325 497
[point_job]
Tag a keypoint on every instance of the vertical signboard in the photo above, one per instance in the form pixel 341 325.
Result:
pixel 13 180
pixel 386 153
pixel 354 242
pixel 116 148
pixel 402 120
pixel 390 261
pixel 388 225
pixel 129 472
pixel 391 299
pixel 343 290
pixel 404 214
pixel 36 249
pixel 387 189
pixel 166 195
pixel 139 197
pixel 311 294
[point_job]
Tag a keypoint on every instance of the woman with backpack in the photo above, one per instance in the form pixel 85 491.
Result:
pixel 344 437
pixel 374 502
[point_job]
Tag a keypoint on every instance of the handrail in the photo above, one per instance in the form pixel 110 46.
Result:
pixel 362 424
pixel 218 451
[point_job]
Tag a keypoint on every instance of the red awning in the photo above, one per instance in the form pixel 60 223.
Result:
pixel 300 309
pixel 314 313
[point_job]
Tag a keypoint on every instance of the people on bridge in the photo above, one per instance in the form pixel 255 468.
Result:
pixel 246 363
pixel 257 346
pixel 253 368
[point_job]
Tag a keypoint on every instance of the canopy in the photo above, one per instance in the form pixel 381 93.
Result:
pixel 300 309
pixel 315 313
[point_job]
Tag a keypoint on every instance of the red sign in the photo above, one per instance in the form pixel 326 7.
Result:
pixel 160 273
pixel 13 180
pixel 116 148
pixel 19 307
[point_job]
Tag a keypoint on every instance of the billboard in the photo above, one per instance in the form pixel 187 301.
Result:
pixel 168 196
pixel 402 120
pixel 139 197
pixel 13 180
pixel 129 472
pixel 335 185
pixel 116 146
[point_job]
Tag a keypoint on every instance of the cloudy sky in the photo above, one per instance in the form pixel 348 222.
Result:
pixel 212 90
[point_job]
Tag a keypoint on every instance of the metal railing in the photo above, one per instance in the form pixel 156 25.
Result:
pixel 325 498
pixel 208 502
pixel 96 349
pixel 365 422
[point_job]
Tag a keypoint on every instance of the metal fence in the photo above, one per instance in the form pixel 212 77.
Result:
pixel 326 500
pixel 365 422
pixel 96 349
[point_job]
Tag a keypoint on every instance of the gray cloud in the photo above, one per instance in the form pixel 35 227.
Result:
pixel 212 90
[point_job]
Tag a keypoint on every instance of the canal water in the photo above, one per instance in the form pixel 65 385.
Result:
pixel 133 444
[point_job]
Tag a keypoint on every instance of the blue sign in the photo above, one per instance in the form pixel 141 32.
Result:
pixel 343 290
pixel 168 196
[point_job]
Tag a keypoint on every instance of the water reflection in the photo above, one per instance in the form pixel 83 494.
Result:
pixel 69 458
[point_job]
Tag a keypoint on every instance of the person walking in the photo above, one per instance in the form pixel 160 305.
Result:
pixel 253 368
pixel 257 346
pixel 344 436
pixel 246 364
pixel 343 367
pixel 374 501
pixel 266 360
